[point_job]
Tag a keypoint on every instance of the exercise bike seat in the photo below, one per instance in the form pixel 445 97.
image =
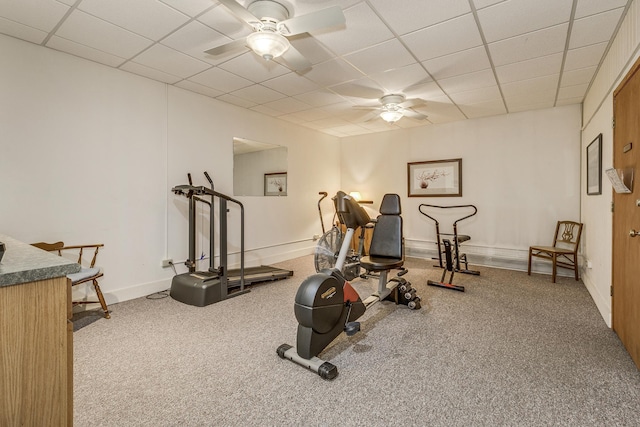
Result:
pixel 386 251
pixel 463 238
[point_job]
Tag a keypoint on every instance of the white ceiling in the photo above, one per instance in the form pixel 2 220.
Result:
pixel 466 58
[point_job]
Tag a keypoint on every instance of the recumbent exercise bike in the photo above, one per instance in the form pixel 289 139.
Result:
pixel 326 304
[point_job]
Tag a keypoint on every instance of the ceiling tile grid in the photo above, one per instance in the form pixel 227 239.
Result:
pixel 455 59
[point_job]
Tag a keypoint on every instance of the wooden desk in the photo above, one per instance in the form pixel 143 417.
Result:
pixel 36 337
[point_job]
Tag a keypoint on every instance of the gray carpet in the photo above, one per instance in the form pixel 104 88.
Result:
pixel 511 350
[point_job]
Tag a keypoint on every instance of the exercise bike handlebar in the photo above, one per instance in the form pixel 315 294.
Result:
pixel 475 211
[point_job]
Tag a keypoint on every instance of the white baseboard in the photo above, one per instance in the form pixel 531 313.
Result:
pixel 507 258
pixel 603 302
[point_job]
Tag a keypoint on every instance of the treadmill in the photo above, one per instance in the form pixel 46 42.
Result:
pixel 202 288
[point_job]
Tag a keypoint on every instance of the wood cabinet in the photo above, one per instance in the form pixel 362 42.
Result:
pixel 36 337
pixel 36 354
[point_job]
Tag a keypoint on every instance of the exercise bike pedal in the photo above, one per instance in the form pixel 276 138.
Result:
pixel 352 328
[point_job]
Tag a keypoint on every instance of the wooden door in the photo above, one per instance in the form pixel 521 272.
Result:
pixel 626 215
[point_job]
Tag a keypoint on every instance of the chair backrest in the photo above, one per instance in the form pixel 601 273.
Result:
pixel 59 247
pixel 568 235
pixel 387 239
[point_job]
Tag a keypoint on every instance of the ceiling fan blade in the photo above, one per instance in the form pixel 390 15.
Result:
pixel 321 19
pixel 414 102
pixel 414 114
pixel 228 47
pixel 294 59
pixel 238 10
pixel 365 107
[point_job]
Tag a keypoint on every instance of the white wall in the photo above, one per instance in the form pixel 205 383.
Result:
pixel 598 113
pixel 89 154
pixel 522 172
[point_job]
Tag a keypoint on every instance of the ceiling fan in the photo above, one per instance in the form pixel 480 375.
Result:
pixel 393 108
pixel 271 25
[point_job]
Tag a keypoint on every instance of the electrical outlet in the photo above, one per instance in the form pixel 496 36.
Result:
pixel 167 262
pixel 316 237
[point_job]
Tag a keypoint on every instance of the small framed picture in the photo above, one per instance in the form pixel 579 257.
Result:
pixel 436 178
pixel 275 184
pixel 594 167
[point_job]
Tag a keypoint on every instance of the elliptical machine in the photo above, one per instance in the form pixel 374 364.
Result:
pixel 449 249
pixel 326 304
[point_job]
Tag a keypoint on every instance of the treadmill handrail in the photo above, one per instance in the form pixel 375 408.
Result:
pixel 190 190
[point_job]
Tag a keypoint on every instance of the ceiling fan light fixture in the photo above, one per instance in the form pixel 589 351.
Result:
pixel 391 116
pixel 269 45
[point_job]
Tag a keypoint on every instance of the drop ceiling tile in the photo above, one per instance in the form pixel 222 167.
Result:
pixel 584 57
pixel 39 14
pixel 266 110
pixel 195 87
pixel 68 2
pixel 254 68
pixel 576 77
pixel 287 105
pixel 480 4
pixel 240 102
pixel 515 17
pixel 258 94
pixel 332 72
pixel 575 91
pixel 320 98
pixel 363 28
pixel 306 7
pixel 369 60
pixel 463 62
pixel 529 46
pixel 442 112
pixel 90 31
pixel 170 61
pixel 517 106
pixel 594 29
pixel 428 91
pixel 192 7
pixel 149 18
pixel 525 70
pixel 475 96
pixel 399 79
pixel 221 80
pixel 23 32
pixel 591 7
pixel 484 109
pixel 328 123
pixel 412 15
pixel 445 38
pixel 466 82
pixel 528 88
pixel 83 51
pixel 149 72
pixel 291 84
pixel 569 101
pixel 195 37
pixel 307 115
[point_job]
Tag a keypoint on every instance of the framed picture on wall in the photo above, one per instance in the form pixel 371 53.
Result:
pixel 436 178
pixel 275 184
pixel 594 167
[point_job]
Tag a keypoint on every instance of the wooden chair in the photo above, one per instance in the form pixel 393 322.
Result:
pixel 86 274
pixel 564 252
